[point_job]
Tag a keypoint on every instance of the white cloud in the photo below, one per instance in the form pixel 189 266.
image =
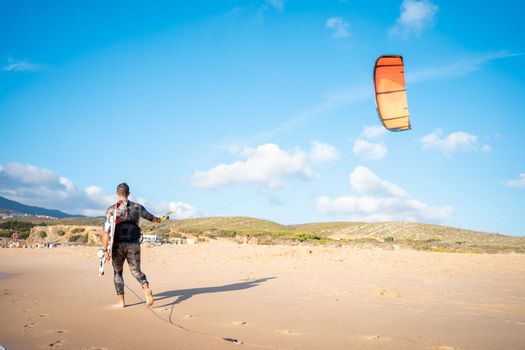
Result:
pixel 14 65
pixel 370 150
pixel 266 164
pixel 32 185
pixel 338 26
pixel 415 17
pixel 323 152
pixel 97 195
pixel 364 181
pixel 458 141
pixel 517 183
pixel 180 210
pixel 381 200
pixel 373 132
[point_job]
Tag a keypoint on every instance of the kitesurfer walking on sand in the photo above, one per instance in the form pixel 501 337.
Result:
pixel 126 242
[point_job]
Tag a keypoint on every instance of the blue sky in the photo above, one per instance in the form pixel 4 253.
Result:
pixel 265 109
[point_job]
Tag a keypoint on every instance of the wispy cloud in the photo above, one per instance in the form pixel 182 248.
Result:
pixel 276 4
pixel 267 164
pixel 339 27
pixel 380 200
pixel 15 65
pixel 458 68
pixel 332 102
pixel 415 17
pixel 517 183
pixel 359 91
pixel 458 141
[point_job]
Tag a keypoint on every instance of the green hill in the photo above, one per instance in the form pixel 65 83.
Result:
pixel 12 207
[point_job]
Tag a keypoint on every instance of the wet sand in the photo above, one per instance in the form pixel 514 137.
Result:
pixel 267 297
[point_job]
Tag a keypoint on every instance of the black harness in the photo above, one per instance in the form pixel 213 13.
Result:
pixel 128 231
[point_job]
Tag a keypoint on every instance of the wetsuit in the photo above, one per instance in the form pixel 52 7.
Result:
pixel 127 211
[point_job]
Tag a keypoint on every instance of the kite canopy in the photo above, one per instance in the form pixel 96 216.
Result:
pixel 391 95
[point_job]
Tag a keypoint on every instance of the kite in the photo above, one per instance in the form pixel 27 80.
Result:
pixel 390 92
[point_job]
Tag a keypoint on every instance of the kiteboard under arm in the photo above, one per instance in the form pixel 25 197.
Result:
pixel 101 256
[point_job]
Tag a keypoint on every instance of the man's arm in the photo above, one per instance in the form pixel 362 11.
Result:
pixel 105 241
pixel 148 216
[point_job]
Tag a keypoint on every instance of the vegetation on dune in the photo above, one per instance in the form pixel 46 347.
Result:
pixel 385 235
pixel 78 238
pixel 268 236
pixel 23 228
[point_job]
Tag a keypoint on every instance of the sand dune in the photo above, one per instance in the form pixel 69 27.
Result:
pixel 265 297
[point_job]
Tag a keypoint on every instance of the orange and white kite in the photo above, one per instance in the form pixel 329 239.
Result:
pixel 390 92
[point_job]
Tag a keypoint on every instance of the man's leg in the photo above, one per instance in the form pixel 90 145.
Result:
pixel 118 258
pixel 133 258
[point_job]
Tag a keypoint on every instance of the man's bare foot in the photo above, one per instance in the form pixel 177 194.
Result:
pixel 149 294
pixel 120 301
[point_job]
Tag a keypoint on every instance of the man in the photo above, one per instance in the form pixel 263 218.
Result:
pixel 126 242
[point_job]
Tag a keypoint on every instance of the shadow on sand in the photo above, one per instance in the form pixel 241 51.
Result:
pixel 185 294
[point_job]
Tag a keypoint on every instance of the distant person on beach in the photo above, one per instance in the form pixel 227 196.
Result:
pixel 126 242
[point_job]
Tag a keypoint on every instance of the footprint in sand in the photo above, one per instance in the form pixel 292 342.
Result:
pixel 30 325
pixel 57 344
pixel 187 317
pixel 239 323
pixel 43 315
pixel 390 293
pixel 375 338
pixel 287 332
pixel 62 331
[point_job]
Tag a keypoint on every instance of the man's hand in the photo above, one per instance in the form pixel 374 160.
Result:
pixel 106 254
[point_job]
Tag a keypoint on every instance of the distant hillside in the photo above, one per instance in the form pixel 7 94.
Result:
pixel 9 206
pixel 384 235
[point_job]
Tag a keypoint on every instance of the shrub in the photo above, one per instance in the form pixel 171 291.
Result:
pixel 61 232
pixel 301 237
pixel 78 230
pixel 23 234
pixel 22 227
pixel 42 234
pixel 389 239
pixel 78 238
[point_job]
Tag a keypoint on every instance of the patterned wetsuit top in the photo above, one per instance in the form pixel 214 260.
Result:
pixel 127 211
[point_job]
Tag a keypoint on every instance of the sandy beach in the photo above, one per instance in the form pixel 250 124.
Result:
pixel 267 297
